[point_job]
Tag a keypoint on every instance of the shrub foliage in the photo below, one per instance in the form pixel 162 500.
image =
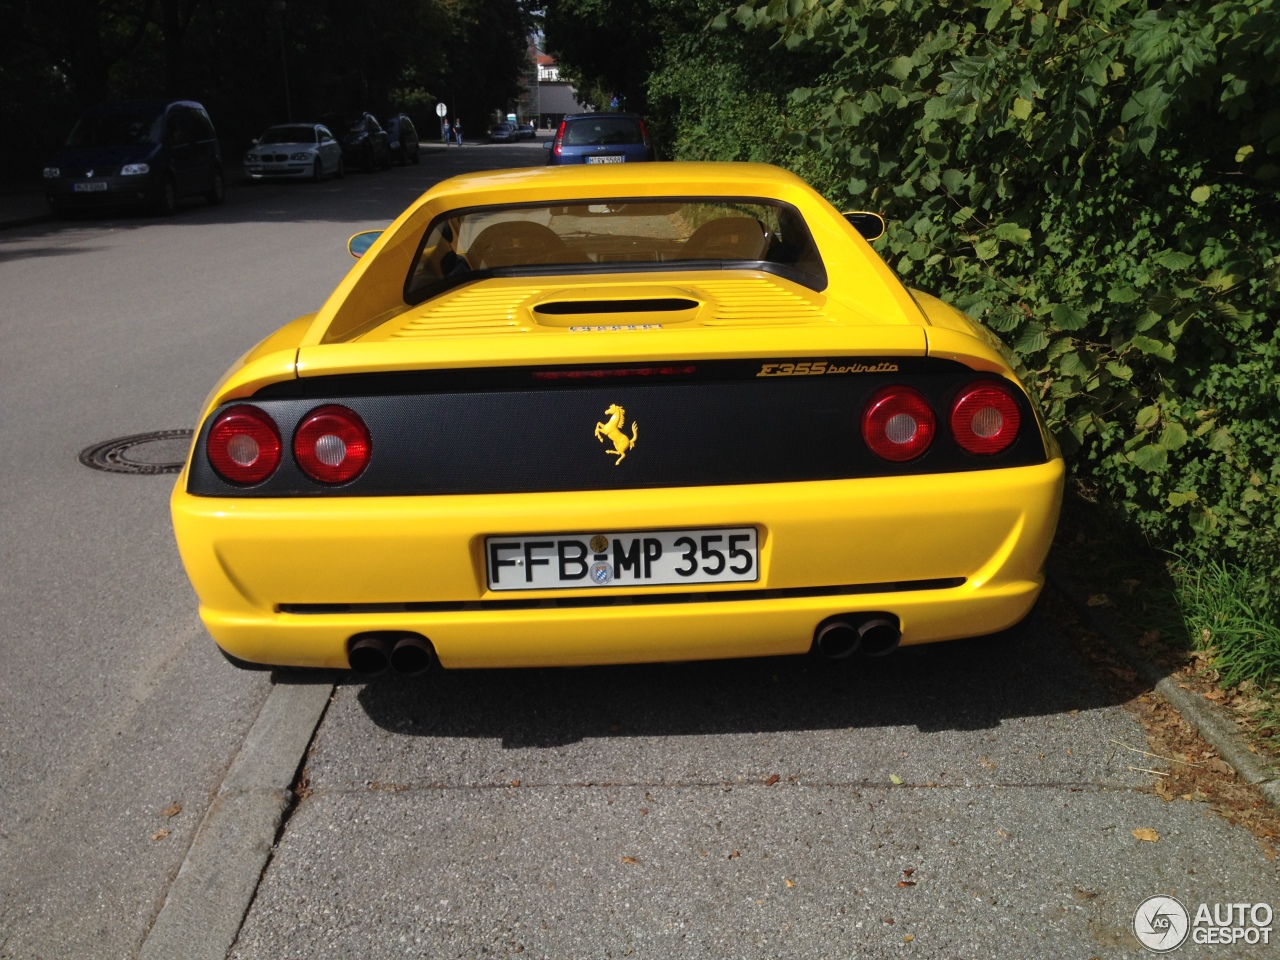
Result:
pixel 1094 179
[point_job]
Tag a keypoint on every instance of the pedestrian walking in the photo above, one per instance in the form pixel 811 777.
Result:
pixel 444 130
pixel 457 130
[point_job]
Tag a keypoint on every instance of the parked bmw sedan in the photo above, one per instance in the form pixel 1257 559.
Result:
pixel 298 151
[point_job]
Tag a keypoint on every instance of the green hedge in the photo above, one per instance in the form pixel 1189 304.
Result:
pixel 1095 180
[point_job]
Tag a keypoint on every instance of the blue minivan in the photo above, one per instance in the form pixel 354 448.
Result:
pixel 600 138
pixel 149 153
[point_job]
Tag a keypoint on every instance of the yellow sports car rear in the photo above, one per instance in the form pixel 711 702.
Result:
pixel 578 415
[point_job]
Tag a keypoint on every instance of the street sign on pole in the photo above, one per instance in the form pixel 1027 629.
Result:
pixel 441 109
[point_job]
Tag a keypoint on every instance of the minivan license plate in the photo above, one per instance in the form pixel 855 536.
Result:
pixel 647 558
pixel 616 158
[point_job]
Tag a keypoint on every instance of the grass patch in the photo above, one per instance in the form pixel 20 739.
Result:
pixel 1206 623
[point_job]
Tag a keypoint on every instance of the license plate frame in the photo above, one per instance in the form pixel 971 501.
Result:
pixel 610 158
pixel 89 186
pixel 621 559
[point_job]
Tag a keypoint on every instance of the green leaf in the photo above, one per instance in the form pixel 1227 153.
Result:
pixel 1076 364
pixel 1033 338
pixel 1066 317
pixel 1147 345
pixel 900 68
pixel 1201 193
pixel 1013 233
pixel 1147 417
pixel 1122 294
pixel 987 249
pixel 1152 458
pixel 1021 108
pixel 1174 260
pixel 1173 436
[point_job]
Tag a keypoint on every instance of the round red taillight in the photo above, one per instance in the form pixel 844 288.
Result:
pixel 985 419
pixel 243 445
pixel 898 424
pixel 332 444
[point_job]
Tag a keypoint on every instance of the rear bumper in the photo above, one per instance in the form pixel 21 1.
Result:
pixel 289 581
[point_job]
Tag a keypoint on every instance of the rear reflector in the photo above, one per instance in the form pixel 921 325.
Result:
pixel 898 424
pixel 244 445
pixel 985 419
pixel 332 444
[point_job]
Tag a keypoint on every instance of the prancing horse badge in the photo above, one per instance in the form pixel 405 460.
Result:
pixel 612 428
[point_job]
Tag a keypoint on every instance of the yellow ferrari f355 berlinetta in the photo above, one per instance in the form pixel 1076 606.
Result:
pixel 590 415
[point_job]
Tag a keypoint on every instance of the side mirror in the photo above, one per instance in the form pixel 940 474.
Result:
pixel 547 145
pixel 359 245
pixel 870 225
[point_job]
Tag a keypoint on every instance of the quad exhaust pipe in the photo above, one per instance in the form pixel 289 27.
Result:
pixel 408 654
pixel 871 634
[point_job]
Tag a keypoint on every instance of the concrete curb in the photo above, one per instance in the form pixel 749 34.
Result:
pixel 1210 721
pixel 207 901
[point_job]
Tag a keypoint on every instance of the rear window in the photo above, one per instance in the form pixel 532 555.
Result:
pixel 633 236
pixel 597 131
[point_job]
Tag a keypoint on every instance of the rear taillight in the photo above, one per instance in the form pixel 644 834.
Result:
pixel 644 133
pixel 985 419
pixel 244 445
pixel 332 444
pixel 558 142
pixel 898 424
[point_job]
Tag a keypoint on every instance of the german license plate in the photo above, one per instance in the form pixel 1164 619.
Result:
pixel 646 558
pixel 92 186
pixel 618 158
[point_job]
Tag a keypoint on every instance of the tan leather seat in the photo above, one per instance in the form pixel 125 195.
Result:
pixel 514 244
pixel 729 238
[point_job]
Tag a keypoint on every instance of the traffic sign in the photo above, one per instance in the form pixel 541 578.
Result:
pixel 441 109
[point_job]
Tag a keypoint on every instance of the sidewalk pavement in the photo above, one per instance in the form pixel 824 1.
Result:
pixel 21 203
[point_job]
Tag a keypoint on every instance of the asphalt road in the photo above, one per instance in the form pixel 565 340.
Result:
pixel 975 799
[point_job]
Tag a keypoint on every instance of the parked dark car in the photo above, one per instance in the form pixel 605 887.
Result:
pixel 137 153
pixel 526 131
pixel 403 136
pixel 502 132
pixel 600 138
pixel 365 145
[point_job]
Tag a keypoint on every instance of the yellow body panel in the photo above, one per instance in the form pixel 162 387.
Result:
pixel 990 529
pixel 247 557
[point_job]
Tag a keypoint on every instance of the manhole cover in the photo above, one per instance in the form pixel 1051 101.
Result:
pixel 164 451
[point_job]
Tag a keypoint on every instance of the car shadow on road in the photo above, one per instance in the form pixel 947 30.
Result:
pixel 962 685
